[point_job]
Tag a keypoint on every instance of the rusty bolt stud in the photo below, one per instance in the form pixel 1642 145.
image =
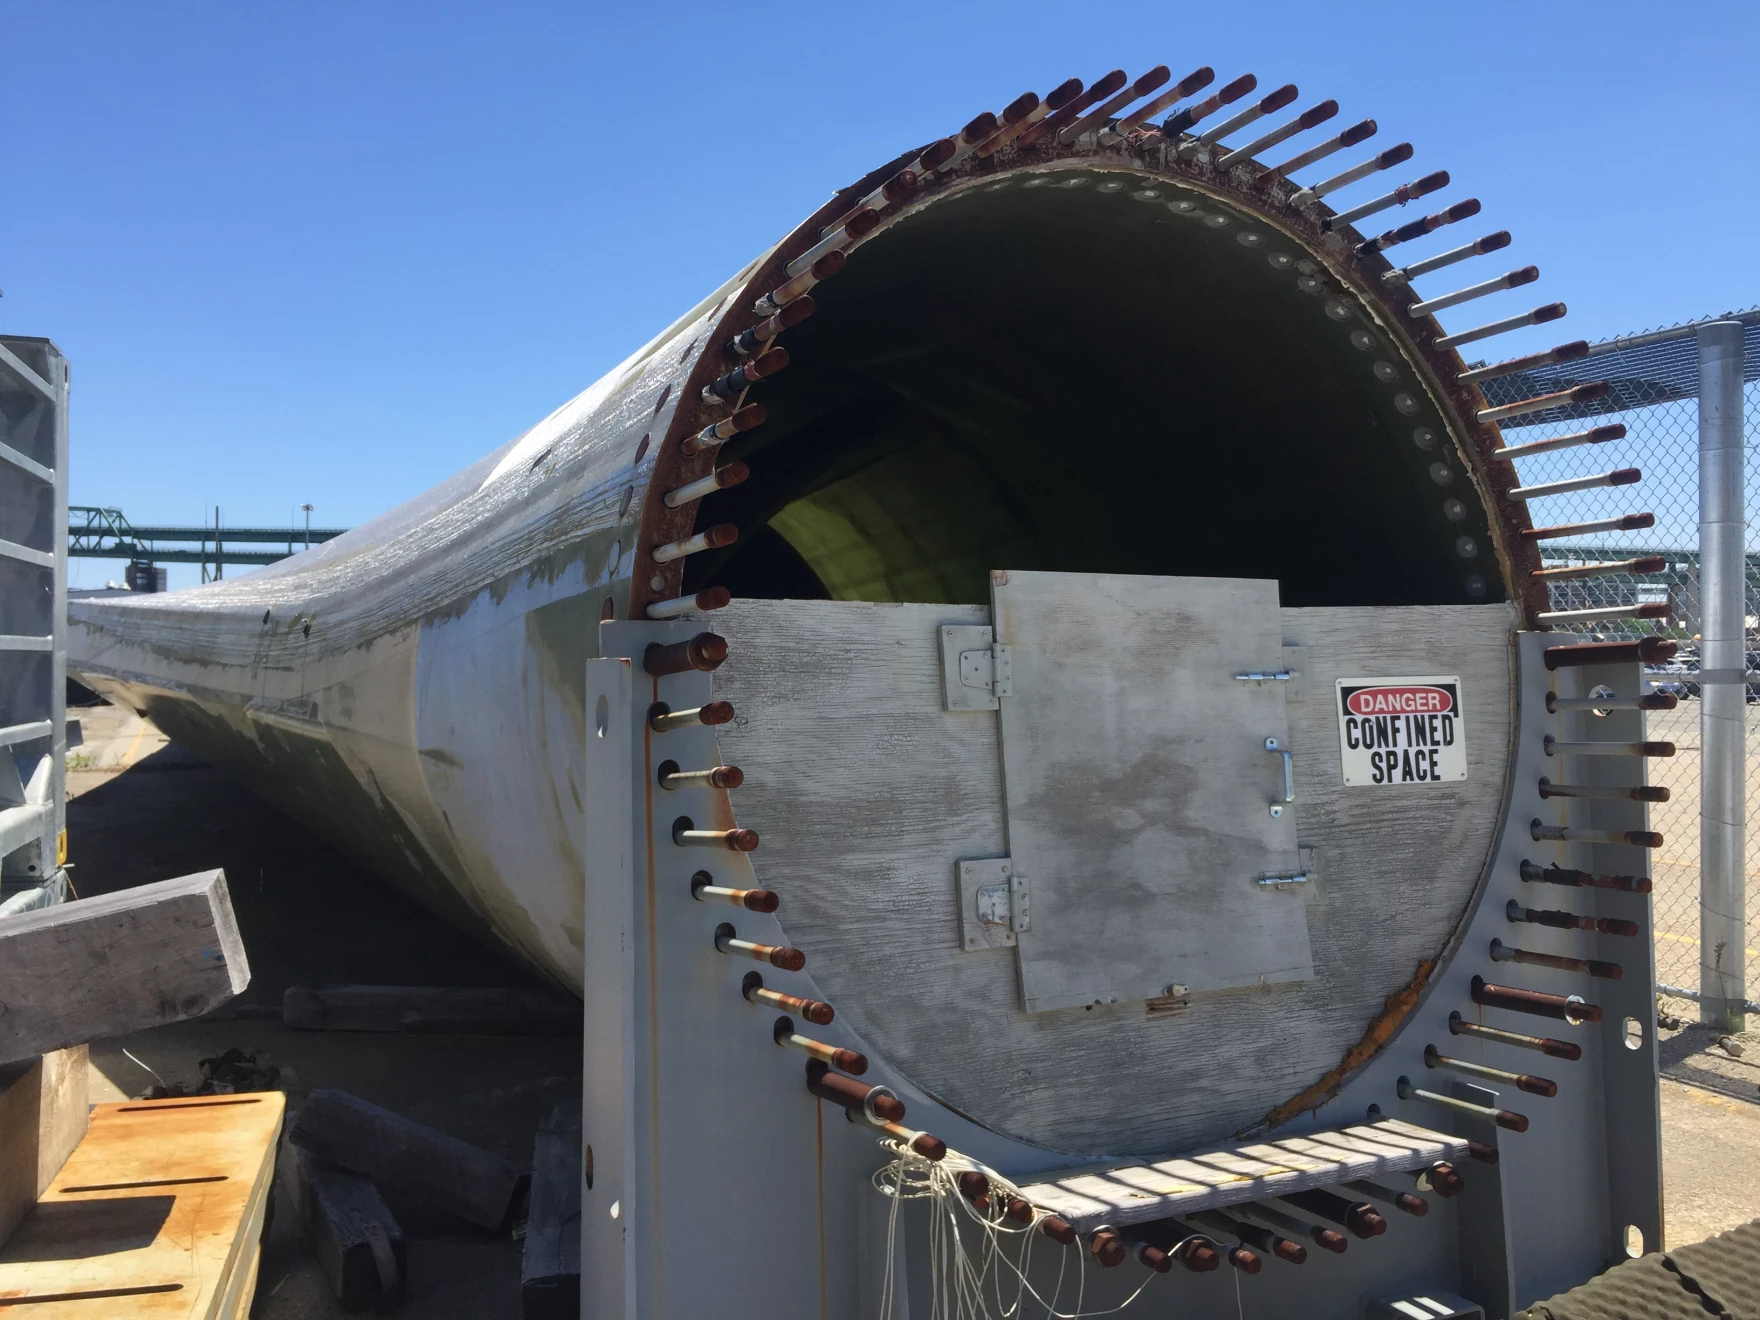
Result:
pixel 704 652
pixel 1107 1247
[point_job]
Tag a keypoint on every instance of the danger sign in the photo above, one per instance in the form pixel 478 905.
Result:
pixel 1401 730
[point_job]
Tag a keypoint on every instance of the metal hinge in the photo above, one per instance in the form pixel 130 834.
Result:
pixel 975 669
pixel 995 903
pixel 1006 905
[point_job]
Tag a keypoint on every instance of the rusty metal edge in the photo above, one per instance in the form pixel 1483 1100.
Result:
pixel 1149 154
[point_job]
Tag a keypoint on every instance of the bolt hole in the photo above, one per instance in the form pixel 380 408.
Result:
pixel 665 768
pixel 616 1209
pixel 587 1166
pixel 1634 1035
pixel 601 714
pixel 1634 1241
pixel 642 448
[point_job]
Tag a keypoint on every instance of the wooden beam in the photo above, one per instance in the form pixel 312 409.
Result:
pixel 550 1274
pixel 430 1010
pixel 409 1161
pixel 107 966
pixel 43 1104
pixel 357 1240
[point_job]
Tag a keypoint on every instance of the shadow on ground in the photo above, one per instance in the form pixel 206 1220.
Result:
pixel 309 914
pixel 1692 1056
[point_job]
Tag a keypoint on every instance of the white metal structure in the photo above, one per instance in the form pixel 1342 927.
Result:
pixel 33 621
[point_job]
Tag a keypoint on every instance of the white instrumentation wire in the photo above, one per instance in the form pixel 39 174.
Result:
pixel 957 1279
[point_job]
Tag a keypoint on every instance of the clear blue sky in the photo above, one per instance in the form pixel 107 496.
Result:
pixel 333 252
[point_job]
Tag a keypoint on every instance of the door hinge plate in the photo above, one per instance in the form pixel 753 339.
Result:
pixel 975 671
pixel 994 904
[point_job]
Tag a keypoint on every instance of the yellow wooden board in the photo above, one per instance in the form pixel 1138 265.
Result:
pixel 157 1214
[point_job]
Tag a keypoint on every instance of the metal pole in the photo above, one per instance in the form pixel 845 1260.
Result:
pixel 1722 665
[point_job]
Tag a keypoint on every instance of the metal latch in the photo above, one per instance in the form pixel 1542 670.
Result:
pixel 995 904
pixel 1294 687
pixel 975 669
pixel 1285 881
pixel 1308 858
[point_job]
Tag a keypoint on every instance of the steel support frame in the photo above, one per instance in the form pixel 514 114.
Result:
pixel 34 812
pixel 721 1187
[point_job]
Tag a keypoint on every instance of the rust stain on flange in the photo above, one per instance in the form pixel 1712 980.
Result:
pixel 1398 1007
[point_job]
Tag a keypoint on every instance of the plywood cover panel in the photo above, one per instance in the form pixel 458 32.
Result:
pixel 866 793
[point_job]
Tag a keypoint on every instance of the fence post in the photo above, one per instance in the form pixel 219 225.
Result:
pixel 1722 677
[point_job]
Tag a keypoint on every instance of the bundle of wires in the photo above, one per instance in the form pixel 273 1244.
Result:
pixel 984 1278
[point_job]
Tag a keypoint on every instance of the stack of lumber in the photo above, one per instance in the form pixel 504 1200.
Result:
pixel 152 1208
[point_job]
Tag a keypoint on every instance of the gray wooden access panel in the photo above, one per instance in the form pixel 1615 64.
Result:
pixel 1144 777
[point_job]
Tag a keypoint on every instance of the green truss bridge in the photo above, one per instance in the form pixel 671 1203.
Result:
pixel 94 533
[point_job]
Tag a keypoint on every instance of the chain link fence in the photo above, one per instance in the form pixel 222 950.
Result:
pixel 1655 378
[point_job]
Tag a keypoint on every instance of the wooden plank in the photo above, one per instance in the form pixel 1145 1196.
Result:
pixel 550 1272
pixel 157 1213
pixel 866 793
pixel 430 1010
pixel 1209 1180
pixel 409 1161
pixel 357 1240
pixel 106 966
pixel 242 1291
pixel 1139 786
pixel 43 1104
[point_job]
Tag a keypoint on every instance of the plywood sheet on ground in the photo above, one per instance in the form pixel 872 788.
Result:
pixel 157 1213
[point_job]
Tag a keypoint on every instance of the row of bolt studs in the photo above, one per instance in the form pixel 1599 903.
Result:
pixel 1571 1009
pixel 831 1071
pixel 1243 1234
pixel 1070 112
